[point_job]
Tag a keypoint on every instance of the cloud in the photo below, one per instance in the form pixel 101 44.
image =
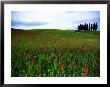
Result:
pixel 52 19
pixel 91 20
pixel 17 23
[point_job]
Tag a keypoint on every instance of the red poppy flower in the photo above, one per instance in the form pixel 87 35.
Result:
pixel 61 53
pixel 57 54
pixel 37 48
pixel 34 60
pixel 39 71
pixel 85 70
pixel 62 65
pixel 94 68
pixel 83 49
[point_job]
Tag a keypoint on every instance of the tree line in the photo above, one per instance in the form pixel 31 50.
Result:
pixel 88 27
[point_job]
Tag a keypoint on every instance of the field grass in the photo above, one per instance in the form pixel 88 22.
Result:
pixel 55 53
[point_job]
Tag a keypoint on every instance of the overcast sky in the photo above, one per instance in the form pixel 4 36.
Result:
pixel 66 20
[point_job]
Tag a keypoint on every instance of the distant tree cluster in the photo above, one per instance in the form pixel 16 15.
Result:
pixel 88 27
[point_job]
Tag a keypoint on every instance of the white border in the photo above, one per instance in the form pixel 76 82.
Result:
pixel 55 80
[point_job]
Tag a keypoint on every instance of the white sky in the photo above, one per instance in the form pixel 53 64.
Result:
pixel 52 19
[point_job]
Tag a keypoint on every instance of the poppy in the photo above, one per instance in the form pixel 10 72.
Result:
pixel 39 71
pixel 62 65
pixel 57 54
pixel 85 70
pixel 34 60
pixel 94 68
pixel 61 53
pixel 37 48
pixel 83 49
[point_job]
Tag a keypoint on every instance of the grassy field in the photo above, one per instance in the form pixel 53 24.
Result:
pixel 55 53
